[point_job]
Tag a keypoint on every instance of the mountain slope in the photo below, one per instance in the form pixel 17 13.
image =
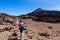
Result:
pixel 39 12
pixel 46 15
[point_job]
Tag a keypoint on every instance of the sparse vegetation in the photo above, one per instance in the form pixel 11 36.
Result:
pixel 14 34
pixel 44 34
pixel 50 27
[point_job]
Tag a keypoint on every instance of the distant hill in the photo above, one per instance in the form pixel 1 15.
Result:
pixel 45 15
pixel 7 19
pixel 40 12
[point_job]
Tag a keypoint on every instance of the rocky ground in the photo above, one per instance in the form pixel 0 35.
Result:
pixel 35 31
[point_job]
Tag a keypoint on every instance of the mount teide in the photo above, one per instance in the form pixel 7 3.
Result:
pixel 40 12
pixel 46 15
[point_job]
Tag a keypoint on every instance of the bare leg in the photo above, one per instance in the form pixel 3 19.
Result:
pixel 21 36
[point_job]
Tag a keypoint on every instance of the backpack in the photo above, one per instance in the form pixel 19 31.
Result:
pixel 21 27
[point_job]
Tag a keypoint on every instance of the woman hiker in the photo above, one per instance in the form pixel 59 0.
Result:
pixel 21 28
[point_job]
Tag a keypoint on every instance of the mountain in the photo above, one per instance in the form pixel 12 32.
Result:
pixel 45 15
pixel 38 9
pixel 40 12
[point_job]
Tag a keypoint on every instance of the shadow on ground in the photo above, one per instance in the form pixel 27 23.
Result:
pixel 13 39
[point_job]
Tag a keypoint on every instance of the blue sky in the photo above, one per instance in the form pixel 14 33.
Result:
pixel 18 7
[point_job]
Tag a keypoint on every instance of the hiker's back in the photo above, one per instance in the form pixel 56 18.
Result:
pixel 21 27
